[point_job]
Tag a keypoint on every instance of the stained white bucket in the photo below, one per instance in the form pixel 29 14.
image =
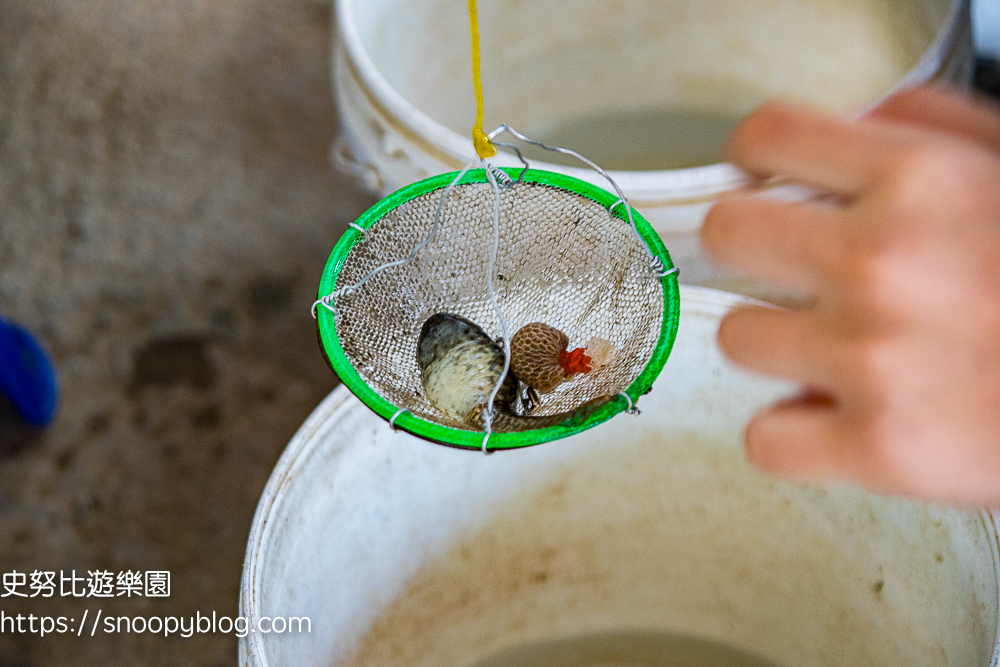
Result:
pixel 404 553
pixel 625 81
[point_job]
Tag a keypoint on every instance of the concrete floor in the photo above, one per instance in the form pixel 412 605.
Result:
pixel 166 207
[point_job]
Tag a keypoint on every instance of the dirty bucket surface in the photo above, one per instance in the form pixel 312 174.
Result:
pixel 407 554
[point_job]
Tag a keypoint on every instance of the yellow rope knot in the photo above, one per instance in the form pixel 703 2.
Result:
pixel 484 147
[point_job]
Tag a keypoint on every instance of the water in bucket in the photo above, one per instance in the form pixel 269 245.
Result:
pixel 640 140
pixel 625 649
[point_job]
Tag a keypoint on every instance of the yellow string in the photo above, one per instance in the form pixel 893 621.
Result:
pixel 484 147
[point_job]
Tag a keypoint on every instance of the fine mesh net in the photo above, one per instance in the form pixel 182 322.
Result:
pixel 562 260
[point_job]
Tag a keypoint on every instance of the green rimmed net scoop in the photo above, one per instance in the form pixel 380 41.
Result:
pixel 563 254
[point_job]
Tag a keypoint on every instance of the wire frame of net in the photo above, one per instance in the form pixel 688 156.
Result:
pixel 563 259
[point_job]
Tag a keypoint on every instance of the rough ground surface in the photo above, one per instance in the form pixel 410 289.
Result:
pixel 166 207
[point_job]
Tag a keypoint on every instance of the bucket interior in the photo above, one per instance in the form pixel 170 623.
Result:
pixel 637 84
pixel 651 531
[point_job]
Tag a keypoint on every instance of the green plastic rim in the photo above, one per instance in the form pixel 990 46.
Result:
pixel 463 439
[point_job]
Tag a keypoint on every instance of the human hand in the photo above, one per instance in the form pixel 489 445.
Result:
pixel 898 344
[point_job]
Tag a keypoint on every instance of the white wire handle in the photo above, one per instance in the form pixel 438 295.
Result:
pixel 655 264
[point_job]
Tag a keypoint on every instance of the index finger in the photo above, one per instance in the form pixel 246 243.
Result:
pixel 807 145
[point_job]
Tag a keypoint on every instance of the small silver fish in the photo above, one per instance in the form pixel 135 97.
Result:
pixel 459 367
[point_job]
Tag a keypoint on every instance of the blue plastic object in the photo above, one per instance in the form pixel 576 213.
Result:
pixel 26 375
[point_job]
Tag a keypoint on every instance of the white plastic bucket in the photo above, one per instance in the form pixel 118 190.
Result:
pixel 401 552
pixel 403 84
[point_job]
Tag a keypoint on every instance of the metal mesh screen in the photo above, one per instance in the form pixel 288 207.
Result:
pixel 562 260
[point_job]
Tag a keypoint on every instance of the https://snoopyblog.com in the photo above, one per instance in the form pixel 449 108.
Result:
pixel 106 584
